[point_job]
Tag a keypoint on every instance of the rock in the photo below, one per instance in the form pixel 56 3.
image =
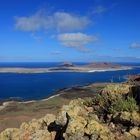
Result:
pixel 136 92
pixel 127 118
pixel 135 118
pixel 126 136
pixel 37 129
pixel 111 95
pixel 49 118
pixel 84 123
pixel 135 132
pixel 81 121
pixel 76 137
pixel 98 130
pixel 77 107
pixel 10 134
pixel 76 125
pixel 112 89
pixel 112 125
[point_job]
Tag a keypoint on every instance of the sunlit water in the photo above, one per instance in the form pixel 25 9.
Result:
pixel 41 85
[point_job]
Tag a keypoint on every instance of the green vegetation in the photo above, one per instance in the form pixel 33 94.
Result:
pixel 128 105
pixel 99 100
pixel 113 105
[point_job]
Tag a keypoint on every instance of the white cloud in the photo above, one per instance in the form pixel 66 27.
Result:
pixel 134 45
pixel 31 23
pixel 99 10
pixel 60 21
pixel 65 21
pixel 76 40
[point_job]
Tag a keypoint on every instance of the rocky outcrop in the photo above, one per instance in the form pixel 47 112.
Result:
pixel 113 89
pixel 127 118
pixel 111 115
pixel 34 130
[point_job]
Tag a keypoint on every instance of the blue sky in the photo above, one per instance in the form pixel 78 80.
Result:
pixel 69 30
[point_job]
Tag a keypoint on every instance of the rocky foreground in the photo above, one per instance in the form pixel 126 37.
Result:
pixel 113 114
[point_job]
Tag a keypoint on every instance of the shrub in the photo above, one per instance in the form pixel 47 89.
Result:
pixel 99 100
pixel 128 105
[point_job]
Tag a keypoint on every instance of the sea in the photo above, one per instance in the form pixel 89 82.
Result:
pixel 35 86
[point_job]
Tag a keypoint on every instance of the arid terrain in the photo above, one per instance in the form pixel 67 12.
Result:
pixel 104 111
pixel 69 67
pixel 14 113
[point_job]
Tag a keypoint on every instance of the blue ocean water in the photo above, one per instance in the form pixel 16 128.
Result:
pixel 42 85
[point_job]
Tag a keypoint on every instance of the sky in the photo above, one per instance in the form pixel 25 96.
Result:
pixel 69 30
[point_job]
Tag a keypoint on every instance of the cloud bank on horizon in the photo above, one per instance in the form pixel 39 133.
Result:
pixel 89 30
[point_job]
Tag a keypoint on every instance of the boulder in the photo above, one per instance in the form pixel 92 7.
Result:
pixel 10 134
pixel 135 132
pixel 127 118
pixel 79 121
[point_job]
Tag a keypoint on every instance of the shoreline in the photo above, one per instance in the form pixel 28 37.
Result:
pixel 50 70
pixel 5 103
pixel 105 70
pixel 84 111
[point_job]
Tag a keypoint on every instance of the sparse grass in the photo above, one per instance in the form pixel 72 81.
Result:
pixel 99 100
pixel 29 108
pixel 88 101
pixel 117 105
pixel 128 105
pixel 13 115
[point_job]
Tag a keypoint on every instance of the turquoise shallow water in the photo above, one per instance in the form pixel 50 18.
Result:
pixel 42 85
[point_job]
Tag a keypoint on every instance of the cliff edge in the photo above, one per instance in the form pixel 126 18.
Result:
pixel 113 114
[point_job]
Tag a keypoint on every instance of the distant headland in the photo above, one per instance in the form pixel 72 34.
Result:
pixel 70 67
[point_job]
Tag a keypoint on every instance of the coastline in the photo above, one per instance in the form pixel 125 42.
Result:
pixel 48 70
pixel 105 70
pixel 58 93
pixel 7 103
pixel 13 113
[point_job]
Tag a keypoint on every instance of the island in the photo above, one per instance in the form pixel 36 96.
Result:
pixel 69 67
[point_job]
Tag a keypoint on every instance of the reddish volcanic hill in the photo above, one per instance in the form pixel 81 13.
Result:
pixel 103 65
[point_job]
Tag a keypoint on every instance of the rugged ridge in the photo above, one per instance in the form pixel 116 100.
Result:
pixel 113 114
